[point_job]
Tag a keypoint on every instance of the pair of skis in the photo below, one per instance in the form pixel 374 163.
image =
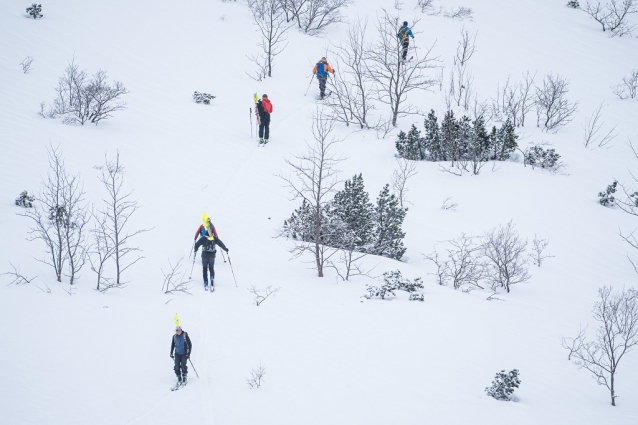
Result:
pixel 179 385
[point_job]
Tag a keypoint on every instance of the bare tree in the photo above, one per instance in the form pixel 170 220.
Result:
pixel 463 265
pixel 612 15
pixel 256 376
pixel 515 101
pixel 313 179
pixel 117 210
pixel 616 335
pixel 400 176
pixel 270 18
pixel 505 252
pixel 461 79
pixel 262 294
pixel 62 226
pixel 553 109
pixel 351 86
pixel 393 79
pixel 629 204
pixel 82 98
pixel 18 277
pixel 449 204
pixel 313 16
pixel 594 133
pixel 26 64
pixel 538 253
pixel 101 251
pixel 175 279
pixel 628 89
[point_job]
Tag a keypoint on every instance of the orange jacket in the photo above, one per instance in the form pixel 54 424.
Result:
pixel 326 67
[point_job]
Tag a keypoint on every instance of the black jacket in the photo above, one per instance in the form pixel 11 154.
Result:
pixel 187 341
pixel 208 245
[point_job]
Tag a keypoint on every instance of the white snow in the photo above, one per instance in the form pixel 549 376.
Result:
pixel 331 356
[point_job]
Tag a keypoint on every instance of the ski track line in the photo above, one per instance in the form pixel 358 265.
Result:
pixel 207 399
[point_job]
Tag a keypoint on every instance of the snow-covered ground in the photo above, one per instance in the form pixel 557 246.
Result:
pixel 332 357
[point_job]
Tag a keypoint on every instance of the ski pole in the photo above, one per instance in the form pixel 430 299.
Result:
pixel 189 360
pixel 251 128
pixel 313 77
pixel 231 269
pixel 193 247
pixel 192 267
pixel 223 256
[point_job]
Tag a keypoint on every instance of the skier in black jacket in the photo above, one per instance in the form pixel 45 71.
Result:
pixel 208 242
pixel 182 346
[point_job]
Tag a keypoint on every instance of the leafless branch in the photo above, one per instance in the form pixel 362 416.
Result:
pixel 18 277
pixel 594 134
pixel 175 279
pixel 262 294
pixel 26 64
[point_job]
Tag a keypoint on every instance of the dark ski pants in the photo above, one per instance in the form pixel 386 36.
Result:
pixel 208 263
pixel 322 84
pixel 180 364
pixel 264 128
pixel 405 45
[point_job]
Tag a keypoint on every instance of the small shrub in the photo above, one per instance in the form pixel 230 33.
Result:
pixel 573 4
pixel 204 98
pixel 536 156
pixel 503 385
pixel 607 197
pixel 393 281
pixel 35 11
pixel 25 200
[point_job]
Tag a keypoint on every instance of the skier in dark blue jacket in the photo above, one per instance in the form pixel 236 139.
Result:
pixel 182 346
pixel 404 35
pixel 208 243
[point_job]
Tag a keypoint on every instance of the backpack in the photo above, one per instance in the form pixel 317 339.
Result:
pixel 403 34
pixel 320 69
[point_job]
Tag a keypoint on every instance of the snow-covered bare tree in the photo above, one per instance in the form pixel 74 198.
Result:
pixel 270 18
pixel 553 109
pixel 313 180
pixel 514 100
pixel 612 15
pixel 405 169
pixel 628 89
pixel 351 86
pixel 596 133
pixel 616 335
pixel 113 219
pixel 393 79
pixel 61 220
pixel 83 98
pixel 505 253
pixel 313 16
pixel 461 79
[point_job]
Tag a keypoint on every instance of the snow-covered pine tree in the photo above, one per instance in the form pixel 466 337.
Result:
pixel 388 235
pixel 411 145
pixel 352 206
pixel 35 10
pixel 450 136
pixel 432 139
pixel 606 197
pixel 479 145
pixel 503 141
pixel 503 385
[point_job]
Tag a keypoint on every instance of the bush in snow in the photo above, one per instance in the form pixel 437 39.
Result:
pixel 628 89
pixel 607 197
pixel 256 376
pixel 504 251
pixel 536 156
pixel 393 281
pixel 503 385
pixel 25 200
pixel 553 109
pixel 35 10
pixel 204 98
pixel 84 98
pixel 573 4
pixel 462 141
pixel 612 15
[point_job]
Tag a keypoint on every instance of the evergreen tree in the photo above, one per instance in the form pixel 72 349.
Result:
pixel 410 146
pixel 351 207
pixel 389 217
pixel 450 136
pixel 503 141
pixel 300 225
pixel 432 140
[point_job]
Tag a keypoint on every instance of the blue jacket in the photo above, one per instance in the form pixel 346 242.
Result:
pixel 181 344
pixel 409 31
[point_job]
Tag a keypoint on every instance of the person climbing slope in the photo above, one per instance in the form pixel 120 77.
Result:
pixel 404 35
pixel 208 241
pixel 182 346
pixel 321 70
pixel 264 109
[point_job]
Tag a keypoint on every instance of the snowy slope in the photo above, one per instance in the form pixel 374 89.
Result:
pixel 330 357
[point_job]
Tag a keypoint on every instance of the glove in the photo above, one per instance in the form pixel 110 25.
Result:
pixel 172 357
pixel 195 251
pixel 226 249
pixel 188 356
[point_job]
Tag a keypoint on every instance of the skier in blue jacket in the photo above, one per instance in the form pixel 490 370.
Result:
pixel 404 35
